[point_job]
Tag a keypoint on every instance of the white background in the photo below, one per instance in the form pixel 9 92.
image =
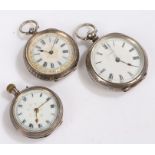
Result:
pixel 92 114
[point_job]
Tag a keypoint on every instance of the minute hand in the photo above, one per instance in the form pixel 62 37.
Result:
pixel 112 51
pixel 55 41
pixel 43 103
pixel 129 64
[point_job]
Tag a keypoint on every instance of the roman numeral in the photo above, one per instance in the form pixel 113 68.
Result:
pixel 56 41
pixel 52 65
pixel 47 121
pixel 24 99
pixel 132 49
pixel 39 60
pixel 103 70
pixel 52 105
pixel 48 98
pixel 136 57
pixel 63 45
pixel 105 46
pixel 40 125
pixel 113 43
pixel 20 105
pixel 110 77
pixel 123 44
pixel 59 63
pixel 121 78
pixel 130 74
pixel 98 53
pixel 65 51
pixel 43 42
pixel 24 121
pixel 38 47
pixel 31 125
pixel 45 64
pixel 19 114
pixel 41 94
pixel 98 62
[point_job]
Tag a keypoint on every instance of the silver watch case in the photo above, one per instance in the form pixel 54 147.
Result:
pixel 124 86
pixel 39 134
pixel 50 77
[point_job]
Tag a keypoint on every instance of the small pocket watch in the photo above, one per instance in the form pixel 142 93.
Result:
pixel 114 60
pixel 35 111
pixel 49 54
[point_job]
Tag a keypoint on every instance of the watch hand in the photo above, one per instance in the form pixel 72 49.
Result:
pixel 119 60
pixel 43 51
pixel 112 51
pixel 53 44
pixel 36 112
pixel 129 64
pixel 50 52
pixel 44 103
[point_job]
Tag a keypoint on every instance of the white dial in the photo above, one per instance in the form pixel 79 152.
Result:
pixel 51 53
pixel 36 110
pixel 116 60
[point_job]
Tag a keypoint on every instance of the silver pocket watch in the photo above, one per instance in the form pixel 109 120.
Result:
pixel 35 111
pixel 114 60
pixel 50 54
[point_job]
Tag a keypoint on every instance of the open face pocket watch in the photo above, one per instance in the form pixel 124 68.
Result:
pixel 49 54
pixel 35 111
pixel 114 60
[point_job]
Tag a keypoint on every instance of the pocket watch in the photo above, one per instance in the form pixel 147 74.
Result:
pixel 35 111
pixel 114 60
pixel 50 54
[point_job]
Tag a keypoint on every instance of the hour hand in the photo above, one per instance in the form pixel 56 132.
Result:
pixel 43 51
pixel 36 110
pixel 129 64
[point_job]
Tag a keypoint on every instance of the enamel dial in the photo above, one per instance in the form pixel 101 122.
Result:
pixel 117 59
pixel 37 111
pixel 51 53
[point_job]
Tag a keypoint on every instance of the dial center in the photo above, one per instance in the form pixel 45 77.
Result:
pixel 36 110
pixel 117 59
pixel 52 55
pixel 51 52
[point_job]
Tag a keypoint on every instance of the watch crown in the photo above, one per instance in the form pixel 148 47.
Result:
pixel 11 88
